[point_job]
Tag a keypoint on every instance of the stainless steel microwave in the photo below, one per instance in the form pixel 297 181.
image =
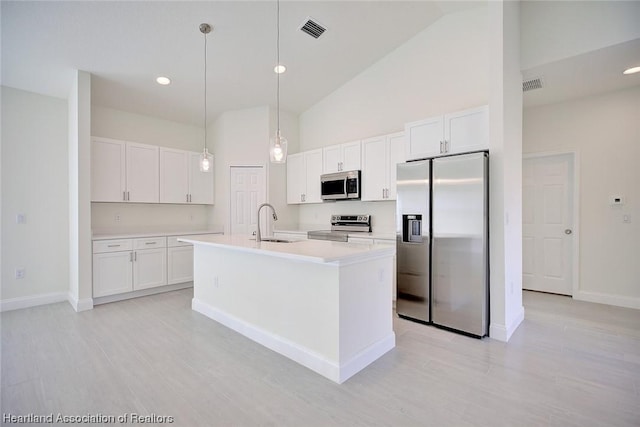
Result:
pixel 340 185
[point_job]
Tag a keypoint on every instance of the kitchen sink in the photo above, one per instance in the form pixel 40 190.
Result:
pixel 275 240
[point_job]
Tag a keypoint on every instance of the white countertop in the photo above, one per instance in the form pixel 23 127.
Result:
pixel 319 251
pixel 152 232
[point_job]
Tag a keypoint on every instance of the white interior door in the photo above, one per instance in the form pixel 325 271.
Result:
pixel 247 192
pixel 547 224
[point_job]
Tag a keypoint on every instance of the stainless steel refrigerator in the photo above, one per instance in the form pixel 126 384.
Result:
pixel 442 242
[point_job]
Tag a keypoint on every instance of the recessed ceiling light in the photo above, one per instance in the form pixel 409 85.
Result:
pixel 279 69
pixel 632 70
pixel 163 80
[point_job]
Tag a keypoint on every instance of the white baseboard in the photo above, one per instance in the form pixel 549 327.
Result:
pixel 80 305
pixel 617 300
pixel 32 301
pixel 310 359
pixel 142 293
pixel 503 333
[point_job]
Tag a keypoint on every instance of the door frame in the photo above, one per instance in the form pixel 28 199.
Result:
pixel 265 176
pixel 575 253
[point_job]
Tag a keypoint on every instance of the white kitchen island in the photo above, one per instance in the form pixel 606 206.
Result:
pixel 326 305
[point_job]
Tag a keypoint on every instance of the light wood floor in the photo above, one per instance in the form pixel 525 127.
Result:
pixel 569 364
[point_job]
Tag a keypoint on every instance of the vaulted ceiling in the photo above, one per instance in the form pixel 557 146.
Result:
pixel 126 45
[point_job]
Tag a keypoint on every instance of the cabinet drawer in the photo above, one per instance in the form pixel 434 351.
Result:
pixel 172 241
pixel 103 246
pixel 150 243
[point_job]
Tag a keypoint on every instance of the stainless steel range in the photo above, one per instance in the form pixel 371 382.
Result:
pixel 341 226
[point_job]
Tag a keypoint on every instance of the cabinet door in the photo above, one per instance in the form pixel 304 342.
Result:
pixel 395 155
pixel 332 157
pixel 201 184
pixel 313 170
pixel 143 178
pixel 424 138
pixel 374 168
pixel 296 178
pixel 179 264
pixel 149 268
pixel 174 184
pixel 108 170
pixel 467 130
pixel 112 273
pixel 351 154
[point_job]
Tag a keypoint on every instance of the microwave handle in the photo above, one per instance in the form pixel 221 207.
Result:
pixel 345 187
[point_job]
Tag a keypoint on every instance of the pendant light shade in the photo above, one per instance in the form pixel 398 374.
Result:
pixel 278 148
pixel 206 159
pixel 278 143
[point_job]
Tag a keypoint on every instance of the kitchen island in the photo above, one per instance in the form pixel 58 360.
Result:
pixel 326 305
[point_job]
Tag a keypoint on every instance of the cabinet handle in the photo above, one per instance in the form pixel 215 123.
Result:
pixel 130 256
pixel 150 243
pixel 124 196
pixel 135 256
pixel 128 196
pixel 446 146
pixel 113 246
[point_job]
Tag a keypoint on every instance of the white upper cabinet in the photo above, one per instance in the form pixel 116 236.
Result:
pixel 395 155
pixel 303 177
pixel 454 133
pixel 380 155
pixel 295 173
pixel 124 171
pixel 143 174
pixel 341 157
pixel 424 138
pixel 174 176
pixel 467 130
pixel 181 180
pixel 108 170
pixel 313 168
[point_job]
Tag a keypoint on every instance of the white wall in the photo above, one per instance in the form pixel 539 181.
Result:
pixel 442 69
pixel 604 131
pixel 241 138
pixel 117 124
pixel 505 170
pixel 79 158
pixel 555 30
pixel 34 182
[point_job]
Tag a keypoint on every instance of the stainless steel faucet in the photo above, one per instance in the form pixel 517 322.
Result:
pixel 275 218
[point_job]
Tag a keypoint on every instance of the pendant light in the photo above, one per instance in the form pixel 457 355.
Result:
pixel 206 159
pixel 278 143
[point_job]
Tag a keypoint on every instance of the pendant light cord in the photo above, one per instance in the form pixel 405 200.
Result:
pixel 205 92
pixel 278 64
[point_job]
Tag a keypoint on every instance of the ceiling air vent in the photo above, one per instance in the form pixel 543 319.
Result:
pixel 532 84
pixel 313 28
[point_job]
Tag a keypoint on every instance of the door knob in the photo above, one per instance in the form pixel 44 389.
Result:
pixel 568 231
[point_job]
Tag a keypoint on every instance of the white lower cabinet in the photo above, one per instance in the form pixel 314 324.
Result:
pixel 179 261
pixel 127 265
pixel 112 273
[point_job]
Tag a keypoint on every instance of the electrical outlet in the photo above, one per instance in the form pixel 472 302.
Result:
pixel 216 282
pixel 626 219
pixel 20 272
pixel 191 217
pixel 21 218
pixel 117 217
